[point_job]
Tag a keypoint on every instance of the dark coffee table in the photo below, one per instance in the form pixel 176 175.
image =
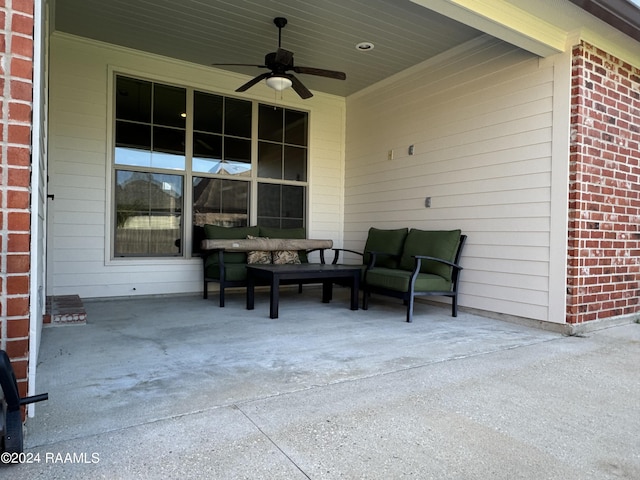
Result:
pixel 301 273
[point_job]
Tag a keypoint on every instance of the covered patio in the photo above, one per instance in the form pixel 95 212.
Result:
pixel 175 387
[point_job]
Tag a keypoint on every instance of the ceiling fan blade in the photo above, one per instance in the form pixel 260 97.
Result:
pixel 321 72
pixel 285 57
pixel 237 65
pixel 299 88
pixel 252 82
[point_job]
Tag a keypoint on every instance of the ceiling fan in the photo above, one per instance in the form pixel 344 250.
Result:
pixel 279 63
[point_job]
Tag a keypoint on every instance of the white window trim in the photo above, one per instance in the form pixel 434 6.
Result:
pixel 187 213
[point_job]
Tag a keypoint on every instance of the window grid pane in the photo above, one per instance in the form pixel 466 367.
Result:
pixel 218 201
pixel 150 124
pixel 148 213
pixel 281 206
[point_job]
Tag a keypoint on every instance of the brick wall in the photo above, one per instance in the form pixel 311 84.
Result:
pixel 16 68
pixel 604 203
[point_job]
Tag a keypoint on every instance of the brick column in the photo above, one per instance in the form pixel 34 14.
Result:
pixel 604 204
pixel 16 81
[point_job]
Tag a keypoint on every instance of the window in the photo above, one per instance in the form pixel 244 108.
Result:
pixel 282 155
pixel 281 206
pixel 162 157
pixel 221 135
pixel 149 143
pixel 148 213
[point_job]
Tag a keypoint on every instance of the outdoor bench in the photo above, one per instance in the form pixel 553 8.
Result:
pixel 405 263
pixel 226 251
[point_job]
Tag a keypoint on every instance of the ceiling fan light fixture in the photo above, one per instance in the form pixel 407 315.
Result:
pixel 278 83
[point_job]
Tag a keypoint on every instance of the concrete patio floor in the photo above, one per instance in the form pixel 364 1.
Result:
pixel 175 387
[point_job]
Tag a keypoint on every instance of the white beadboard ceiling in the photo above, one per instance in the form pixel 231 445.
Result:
pixel 321 33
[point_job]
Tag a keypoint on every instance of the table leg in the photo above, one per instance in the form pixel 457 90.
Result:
pixel 355 287
pixel 250 291
pixel 274 296
pixel 327 291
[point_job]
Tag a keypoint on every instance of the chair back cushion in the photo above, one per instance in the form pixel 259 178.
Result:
pixel 432 243
pixel 215 232
pixel 387 241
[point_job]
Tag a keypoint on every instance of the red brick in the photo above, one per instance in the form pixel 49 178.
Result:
pixel 19 177
pixel 19 156
pixel 20 369
pixel 18 263
pixel 20 112
pixel 18 285
pixel 23 6
pixel 22 24
pixel 18 328
pixel 22 45
pixel 17 348
pixel 19 222
pixel 17 306
pixel 21 90
pixel 20 134
pixel 18 199
pixel 19 242
pixel 21 68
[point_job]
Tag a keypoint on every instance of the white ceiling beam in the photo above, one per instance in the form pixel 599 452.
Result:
pixel 502 20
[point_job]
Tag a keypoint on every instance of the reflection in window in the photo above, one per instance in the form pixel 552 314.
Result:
pixel 148 213
pixel 281 206
pixel 217 163
pixel 150 124
pixel 222 135
pixel 282 144
pixel 222 202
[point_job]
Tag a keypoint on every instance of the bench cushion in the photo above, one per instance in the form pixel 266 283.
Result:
pixel 258 256
pixel 387 241
pixel 297 233
pixel 216 232
pixel 398 280
pixel 234 272
pixel 433 243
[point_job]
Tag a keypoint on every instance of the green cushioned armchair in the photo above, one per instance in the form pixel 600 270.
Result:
pixel 428 265
pixel 386 243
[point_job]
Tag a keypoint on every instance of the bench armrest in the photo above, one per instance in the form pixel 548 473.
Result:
pixel 373 256
pixel 419 259
pixel 336 254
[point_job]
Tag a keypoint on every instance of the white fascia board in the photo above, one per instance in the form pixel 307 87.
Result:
pixel 503 20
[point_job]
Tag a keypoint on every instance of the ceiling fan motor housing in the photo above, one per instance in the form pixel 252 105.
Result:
pixel 280 62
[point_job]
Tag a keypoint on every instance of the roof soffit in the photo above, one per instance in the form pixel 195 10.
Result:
pixel 505 21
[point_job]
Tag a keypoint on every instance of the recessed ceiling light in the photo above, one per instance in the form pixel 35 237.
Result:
pixel 364 46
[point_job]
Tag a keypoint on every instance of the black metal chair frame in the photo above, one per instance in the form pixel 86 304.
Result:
pixel 11 440
pixel 409 296
pixel 224 283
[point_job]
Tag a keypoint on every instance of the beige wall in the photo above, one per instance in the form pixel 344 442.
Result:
pixel 481 120
pixel 80 122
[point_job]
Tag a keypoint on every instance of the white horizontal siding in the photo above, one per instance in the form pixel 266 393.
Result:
pixel 79 161
pixel 481 123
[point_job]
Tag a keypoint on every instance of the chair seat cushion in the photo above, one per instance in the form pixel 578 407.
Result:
pixel 398 280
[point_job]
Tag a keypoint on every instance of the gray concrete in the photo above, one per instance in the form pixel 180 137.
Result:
pixel 179 388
